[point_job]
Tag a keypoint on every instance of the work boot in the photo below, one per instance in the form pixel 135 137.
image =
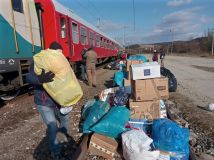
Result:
pixel 57 156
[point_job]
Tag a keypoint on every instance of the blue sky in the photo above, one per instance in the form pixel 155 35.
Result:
pixel 154 20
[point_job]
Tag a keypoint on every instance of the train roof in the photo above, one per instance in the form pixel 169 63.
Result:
pixel 66 11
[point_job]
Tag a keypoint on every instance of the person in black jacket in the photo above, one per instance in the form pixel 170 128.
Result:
pixel 48 108
pixel 162 56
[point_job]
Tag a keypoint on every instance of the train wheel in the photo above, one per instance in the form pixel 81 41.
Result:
pixel 10 95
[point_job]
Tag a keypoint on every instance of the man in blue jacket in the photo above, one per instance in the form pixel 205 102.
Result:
pixel 48 108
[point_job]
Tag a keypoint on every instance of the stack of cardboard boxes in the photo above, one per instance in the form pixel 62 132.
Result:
pixel 148 87
pixel 127 81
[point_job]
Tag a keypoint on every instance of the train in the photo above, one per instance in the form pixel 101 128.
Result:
pixel 28 26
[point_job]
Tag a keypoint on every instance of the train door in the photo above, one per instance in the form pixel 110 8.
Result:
pixel 39 12
pixel 75 40
pixel 65 35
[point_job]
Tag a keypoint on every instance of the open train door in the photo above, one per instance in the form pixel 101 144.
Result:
pixel 65 35
pixel 39 11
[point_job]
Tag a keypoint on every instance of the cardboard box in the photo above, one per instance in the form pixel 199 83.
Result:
pixel 131 62
pixel 103 146
pixel 127 82
pixel 145 110
pixel 150 89
pixel 145 71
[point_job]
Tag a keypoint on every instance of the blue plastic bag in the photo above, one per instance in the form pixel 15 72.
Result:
pixel 169 136
pixel 94 113
pixel 118 78
pixel 120 97
pixel 87 107
pixel 113 123
pixel 138 57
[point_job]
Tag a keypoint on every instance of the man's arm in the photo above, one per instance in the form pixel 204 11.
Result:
pixel 34 79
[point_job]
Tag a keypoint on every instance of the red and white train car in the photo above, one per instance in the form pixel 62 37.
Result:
pixel 59 23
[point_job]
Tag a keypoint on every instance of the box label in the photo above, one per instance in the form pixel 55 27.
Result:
pixel 147 72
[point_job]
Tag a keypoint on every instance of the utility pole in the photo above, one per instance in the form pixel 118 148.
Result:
pixel 124 40
pixel 212 41
pixel 172 41
pixel 134 14
pixel 98 22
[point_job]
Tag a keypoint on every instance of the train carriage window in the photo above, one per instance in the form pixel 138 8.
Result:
pixel 104 43
pixel 83 33
pixel 17 6
pixel 75 33
pixel 107 43
pixel 91 39
pixel 63 27
pixel 98 40
pixel 101 42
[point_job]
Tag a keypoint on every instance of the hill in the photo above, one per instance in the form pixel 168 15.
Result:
pixel 201 45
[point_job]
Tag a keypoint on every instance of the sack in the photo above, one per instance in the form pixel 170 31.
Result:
pixel 118 78
pixel 113 123
pixel 141 124
pixel 138 57
pixel 87 108
pixel 65 89
pixel 169 136
pixel 172 81
pixel 136 146
pixel 120 97
pixel 93 114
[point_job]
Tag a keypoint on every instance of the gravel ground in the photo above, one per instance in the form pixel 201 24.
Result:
pixel 22 133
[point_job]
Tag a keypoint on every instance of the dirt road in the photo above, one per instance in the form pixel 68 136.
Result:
pixel 195 77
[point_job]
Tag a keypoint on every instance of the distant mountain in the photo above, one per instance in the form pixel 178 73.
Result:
pixel 194 46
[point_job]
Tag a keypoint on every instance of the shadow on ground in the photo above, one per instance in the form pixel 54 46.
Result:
pixel 109 83
pixel 42 152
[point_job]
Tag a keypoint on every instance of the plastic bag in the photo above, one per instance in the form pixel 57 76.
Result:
pixel 169 136
pixel 172 81
pixel 87 107
pixel 142 124
pixel 136 146
pixel 118 78
pixel 138 57
pixel 65 89
pixel 120 97
pixel 94 114
pixel 113 123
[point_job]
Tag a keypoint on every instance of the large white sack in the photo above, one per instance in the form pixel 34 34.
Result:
pixel 136 146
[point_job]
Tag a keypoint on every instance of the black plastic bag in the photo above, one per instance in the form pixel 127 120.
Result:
pixel 172 79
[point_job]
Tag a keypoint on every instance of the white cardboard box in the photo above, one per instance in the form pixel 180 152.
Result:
pixel 145 70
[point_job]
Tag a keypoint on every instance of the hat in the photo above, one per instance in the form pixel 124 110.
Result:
pixel 55 45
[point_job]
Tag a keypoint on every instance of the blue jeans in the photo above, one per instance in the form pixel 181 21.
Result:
pixel 50 115
pixel 83 72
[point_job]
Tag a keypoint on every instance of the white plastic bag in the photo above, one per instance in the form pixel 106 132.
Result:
pixel 136 146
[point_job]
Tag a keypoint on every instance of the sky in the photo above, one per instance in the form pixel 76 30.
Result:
pixel 147 21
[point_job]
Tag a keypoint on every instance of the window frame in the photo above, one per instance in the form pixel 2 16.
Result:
pixel 98 40
pixel 85 36
pixel 64 29
pixel 76 32
pixel 91 33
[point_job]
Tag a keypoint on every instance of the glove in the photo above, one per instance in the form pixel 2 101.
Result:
pixel 46 77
